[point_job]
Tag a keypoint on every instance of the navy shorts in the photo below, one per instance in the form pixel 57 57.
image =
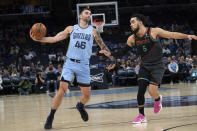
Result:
pixel 153 74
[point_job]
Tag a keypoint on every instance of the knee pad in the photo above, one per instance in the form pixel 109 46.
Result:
pixel 141 91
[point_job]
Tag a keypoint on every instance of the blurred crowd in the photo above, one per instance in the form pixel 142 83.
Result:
pixel 23 7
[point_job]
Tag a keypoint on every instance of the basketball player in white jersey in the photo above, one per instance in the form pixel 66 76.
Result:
pixel 77 62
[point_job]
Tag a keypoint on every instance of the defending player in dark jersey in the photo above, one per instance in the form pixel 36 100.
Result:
pixel 145 39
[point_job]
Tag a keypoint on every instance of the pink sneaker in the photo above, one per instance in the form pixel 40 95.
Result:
pixel 158 105
pixel 140 119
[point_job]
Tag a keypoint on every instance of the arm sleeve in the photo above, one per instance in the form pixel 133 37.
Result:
pixel 121 52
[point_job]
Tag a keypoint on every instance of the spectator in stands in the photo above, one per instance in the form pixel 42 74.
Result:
pixel 5 73
pixel 193 74
pixel 50 66
pixel 132 56
pixel 189 65
pixel 195 60
pixel 20 63
pixel 174 59
pixel 15 73
pixel 6 78
pixel 123 64
pixel 169 60
pixel 173 68
pixel 187 48
pixel 166 51
pixel 133 64
pixel 28 56
pixel 25 87
pixel 128 64
pixel 179 52
pixel 39 82
pixel 39 66
pixel 118 63
pixel 32 68
pixel 182 69
pixel 173 48
pixel 168 41
pixel 51 79
pixel 25 72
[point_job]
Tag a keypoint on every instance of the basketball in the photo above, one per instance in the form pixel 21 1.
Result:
pixel 38 30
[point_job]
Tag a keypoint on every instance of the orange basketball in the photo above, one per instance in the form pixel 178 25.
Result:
pixel 38 30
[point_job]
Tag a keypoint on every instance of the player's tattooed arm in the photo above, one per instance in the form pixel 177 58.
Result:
pixel 122 51
pixel 102 45
pixel 100 42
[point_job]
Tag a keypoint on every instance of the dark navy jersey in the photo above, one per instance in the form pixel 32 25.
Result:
pixel 149 49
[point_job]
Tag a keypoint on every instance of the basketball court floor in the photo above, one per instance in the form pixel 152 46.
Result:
pixel 109 110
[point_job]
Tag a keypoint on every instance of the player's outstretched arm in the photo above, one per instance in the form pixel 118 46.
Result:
pixel 174 35
pixel 58 37
pixel 122 51
pixel 103 47
pixel 101 44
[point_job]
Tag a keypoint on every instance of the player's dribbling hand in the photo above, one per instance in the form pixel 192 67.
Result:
pixel 190 37
pixel 106 53
pixel 32 36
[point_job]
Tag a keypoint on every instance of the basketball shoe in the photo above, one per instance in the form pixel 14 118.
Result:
pixel 139 119
pixel 48 124
pixel 82 111
pixel 158 105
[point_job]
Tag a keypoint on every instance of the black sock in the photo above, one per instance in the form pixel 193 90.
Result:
pixel 141 110
pixel 157 99
pixel 81 105
pixel 52 113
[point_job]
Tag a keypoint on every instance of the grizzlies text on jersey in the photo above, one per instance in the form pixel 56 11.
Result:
pixel 81 41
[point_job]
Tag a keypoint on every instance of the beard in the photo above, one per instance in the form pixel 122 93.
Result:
pixel 87 20
pixel 135 31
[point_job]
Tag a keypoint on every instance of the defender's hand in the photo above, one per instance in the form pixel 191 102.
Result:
pixel 106 53
pixel 111 66
pixel 192 37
